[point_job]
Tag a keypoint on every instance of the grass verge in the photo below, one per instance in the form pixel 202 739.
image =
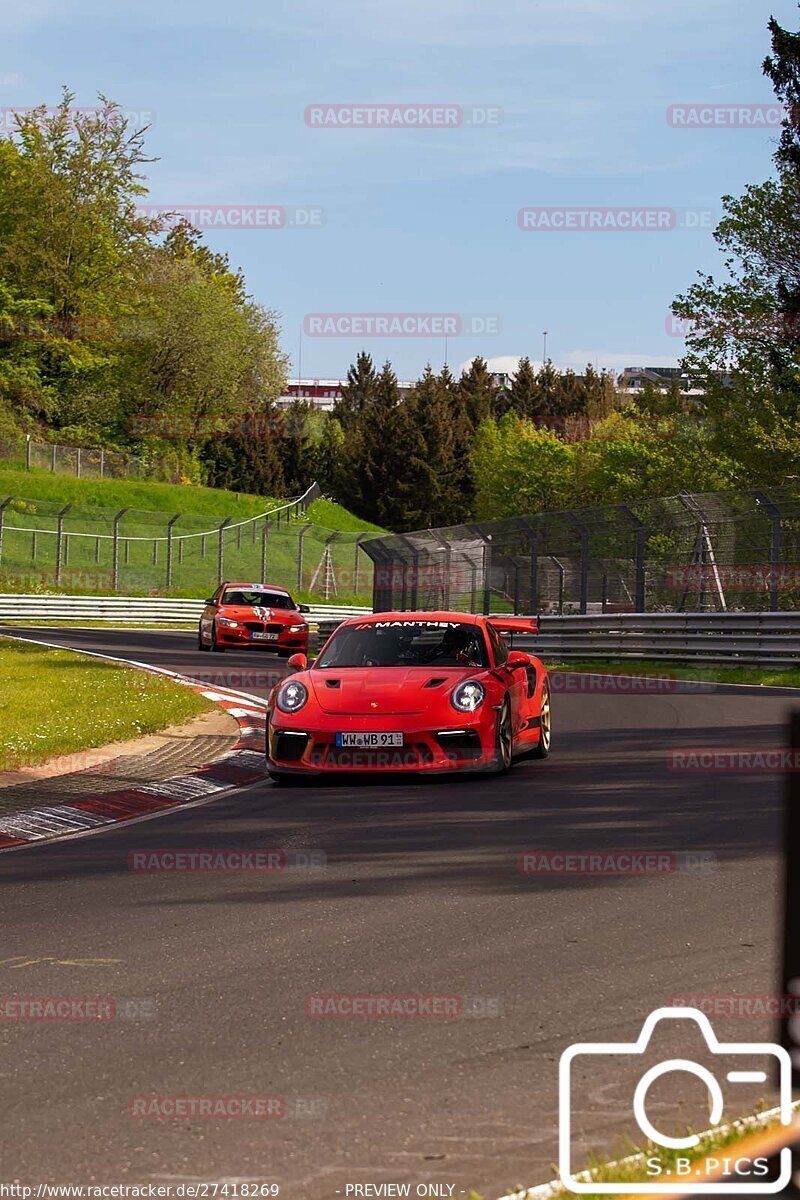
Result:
pixel 130 493
pixel 766 676
pixel 631 1163
pixel 54 702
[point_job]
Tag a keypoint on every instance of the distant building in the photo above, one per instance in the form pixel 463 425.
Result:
pixel 322 393
pixel 633 380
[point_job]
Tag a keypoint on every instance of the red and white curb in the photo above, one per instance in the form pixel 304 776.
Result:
pixel 241 765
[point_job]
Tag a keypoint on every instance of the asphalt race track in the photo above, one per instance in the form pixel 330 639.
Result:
pixel 421 895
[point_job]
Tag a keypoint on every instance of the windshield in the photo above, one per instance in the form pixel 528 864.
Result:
pixel 406 644
pixel 256 599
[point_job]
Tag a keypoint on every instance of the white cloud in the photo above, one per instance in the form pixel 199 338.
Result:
pixel 614 359
pixel 576 360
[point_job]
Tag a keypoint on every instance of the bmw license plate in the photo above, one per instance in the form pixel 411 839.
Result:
pixel 369 741
pixel 264 637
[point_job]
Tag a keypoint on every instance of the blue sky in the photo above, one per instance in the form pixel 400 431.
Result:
pixel 425 221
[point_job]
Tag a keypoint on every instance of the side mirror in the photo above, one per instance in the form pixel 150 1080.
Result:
pixel 297 662
pixel 303 608
pixel 515 660
pixel 208 602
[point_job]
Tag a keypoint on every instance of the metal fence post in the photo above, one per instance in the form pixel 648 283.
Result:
pixel 59 539
pixel 53 457
pixel 639 535
pixel 170 525
pixel 584 532
pixel 221 549
pixel 560 567
pixel 302 533
pixel 358 541
pixel 3 508
pixel 774 545
pixel 448 556
pixel 533 581
pixel 78 462
pixel 264 535
pixel 28 452
pixel 115 551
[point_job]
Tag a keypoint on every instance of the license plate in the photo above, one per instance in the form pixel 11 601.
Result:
pixel 264 637
pixel 369 741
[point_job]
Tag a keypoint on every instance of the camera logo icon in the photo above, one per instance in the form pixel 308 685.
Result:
pixel 751 1057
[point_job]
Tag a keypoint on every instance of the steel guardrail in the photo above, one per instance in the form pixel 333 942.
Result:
pixel 748 638
pixel 143 609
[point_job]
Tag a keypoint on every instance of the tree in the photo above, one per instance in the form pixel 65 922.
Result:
pixel 743 340
pixel 477 392
pixel 520 468
pixel 357 394
pixel 295 447
pixel 431 407
pixel 524 390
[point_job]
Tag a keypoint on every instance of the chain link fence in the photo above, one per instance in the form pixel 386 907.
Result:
pixel 711 551
pixel 81 461
pixel 78 549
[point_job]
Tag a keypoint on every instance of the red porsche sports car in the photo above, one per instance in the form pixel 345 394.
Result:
pixel 411 691
pixel 253 614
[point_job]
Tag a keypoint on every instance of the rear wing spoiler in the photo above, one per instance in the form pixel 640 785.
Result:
pixel 514 625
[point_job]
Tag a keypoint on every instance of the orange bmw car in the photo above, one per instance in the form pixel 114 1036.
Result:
pixel 246 615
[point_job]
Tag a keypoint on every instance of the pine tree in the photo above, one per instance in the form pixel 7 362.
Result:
pixel 296 450
pixel 570 395
pixel 457 498
pixel 327 456
pixel 477 391
pixel 433 416
pixel 522 397
pixel 357 394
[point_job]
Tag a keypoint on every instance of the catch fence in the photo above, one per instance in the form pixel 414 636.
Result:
pixel 694 552
pixel 48 547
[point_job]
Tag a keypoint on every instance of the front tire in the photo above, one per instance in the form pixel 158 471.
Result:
pixel 504 739
pixel 200 643
pixel 215 646
pixel 545 726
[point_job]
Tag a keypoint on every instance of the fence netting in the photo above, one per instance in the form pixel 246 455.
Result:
pixel 78 549
pixel 709 551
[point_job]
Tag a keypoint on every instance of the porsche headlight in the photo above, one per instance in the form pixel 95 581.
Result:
pixel 468 696
pixel 291 697
pixel 227 621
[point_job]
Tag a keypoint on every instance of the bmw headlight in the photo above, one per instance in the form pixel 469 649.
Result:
pixel 468 696
pixel 227 621
pixel 297 628
pixel 291 697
